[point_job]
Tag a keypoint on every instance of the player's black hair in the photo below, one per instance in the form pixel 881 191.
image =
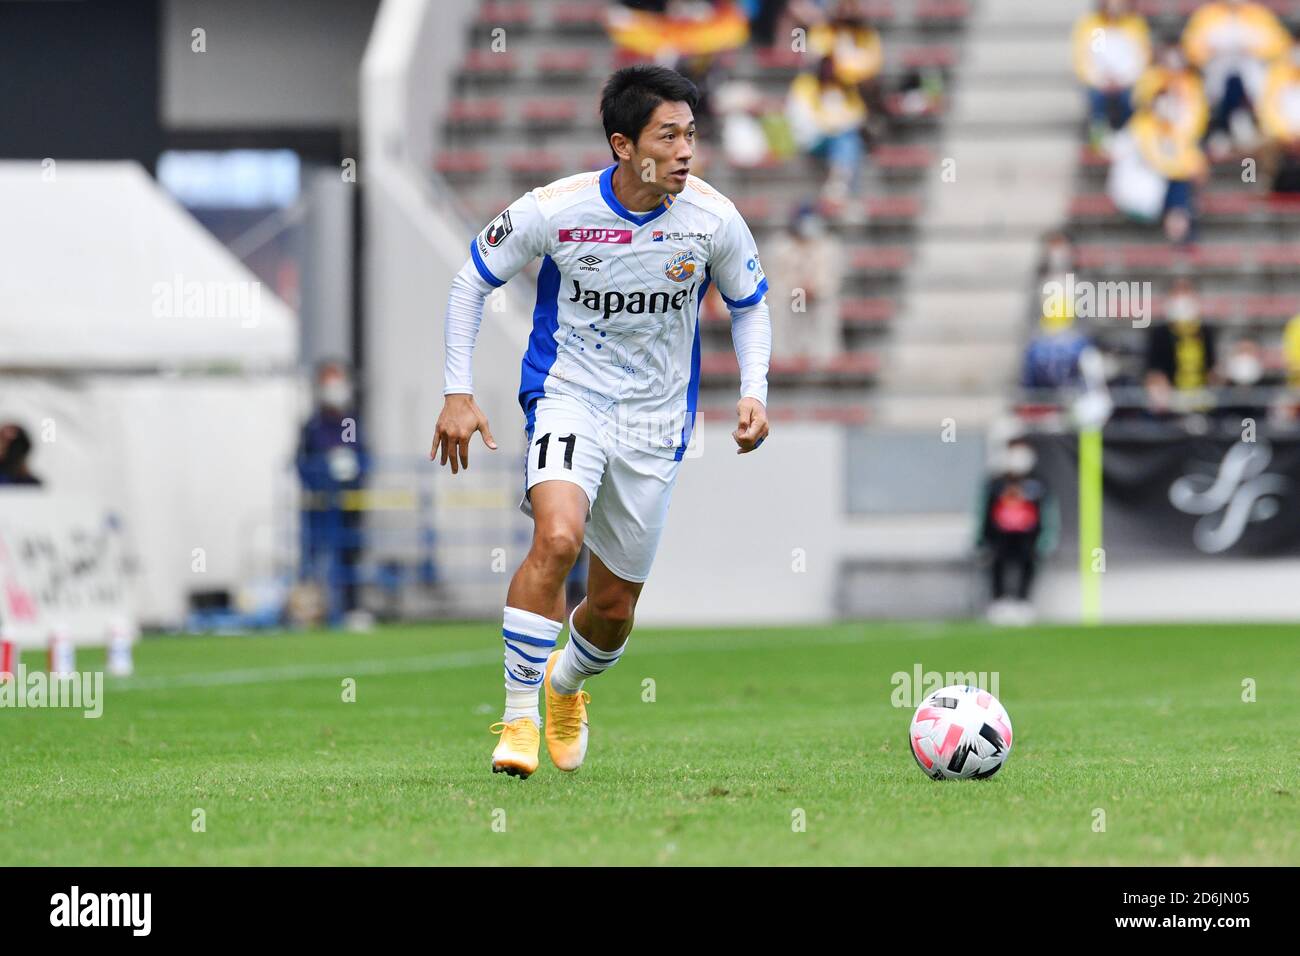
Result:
pixel 634 92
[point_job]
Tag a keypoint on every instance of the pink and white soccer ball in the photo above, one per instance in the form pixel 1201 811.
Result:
pixel 959 733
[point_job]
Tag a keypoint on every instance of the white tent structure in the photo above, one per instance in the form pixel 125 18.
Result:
pixel 153 372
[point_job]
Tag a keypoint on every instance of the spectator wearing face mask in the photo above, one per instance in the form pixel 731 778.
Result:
pixel 804 268
pixel 1058 256
pixel 1170 72
pixel 1243 371
pixel 1232 42
pixel 1017 527
pixel 1180 362
pixel 1111 46
pixel 15 449
pixel 1279 120
pixel 332 461
pixel 1156 166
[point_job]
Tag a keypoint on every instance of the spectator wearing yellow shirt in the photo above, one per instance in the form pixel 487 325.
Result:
pixel 1291 352
pixel 1232 43
pixel 1279 120
pixel 1180 353
pixel 1111 48
pixel 1171 72
pixel 827 117
pixel 853 45
pixel 1155 168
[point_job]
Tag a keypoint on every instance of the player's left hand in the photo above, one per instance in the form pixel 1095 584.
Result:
pixel 752 426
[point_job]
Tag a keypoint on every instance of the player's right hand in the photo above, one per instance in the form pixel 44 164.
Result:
pixel 460 419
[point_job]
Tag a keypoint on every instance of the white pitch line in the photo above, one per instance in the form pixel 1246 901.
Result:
pixel 457 660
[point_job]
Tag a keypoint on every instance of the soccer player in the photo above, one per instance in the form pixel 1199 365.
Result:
pixel 609 388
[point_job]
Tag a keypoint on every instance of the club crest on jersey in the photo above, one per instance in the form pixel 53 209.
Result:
pixel 680 267
pixel 498 229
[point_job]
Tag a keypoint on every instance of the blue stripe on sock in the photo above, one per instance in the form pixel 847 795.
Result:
pixel 590 656
pixel 526 639
pixel 527 657
pixel 520 680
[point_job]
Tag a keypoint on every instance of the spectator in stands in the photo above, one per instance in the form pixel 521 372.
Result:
pixel 1058 255
pixel 15 449
pixel 1181 359
pixel 1291 352
pixel 332 461
pixel 1053 354
pixel 1156 167
pixel 1017 527
pixel 805 267
pixel 1170 72
pixel 1232 42
pixel 827 118
pixel 1111 48
pixel 1243 372
pixel 1279 120
pixel 851 42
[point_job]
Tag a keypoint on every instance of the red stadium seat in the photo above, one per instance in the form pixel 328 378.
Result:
pixel 477 112
pixel 516 14
pixel 591 14
pixel 550 111
pixel 534 163
pixel 932 10
pixel 922 56
pixel 893 207
pixel 880 259
pixel 487 62
pixel 866 311
pixel 892 156
pixel 462 161
pixel 565 62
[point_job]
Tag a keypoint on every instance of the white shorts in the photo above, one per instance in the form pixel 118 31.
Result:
pixel 628 489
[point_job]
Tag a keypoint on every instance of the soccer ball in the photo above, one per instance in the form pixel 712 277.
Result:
pixel 960 732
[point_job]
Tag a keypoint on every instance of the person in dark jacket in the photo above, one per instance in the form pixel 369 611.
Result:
pixel 1017 527
pixel 332 461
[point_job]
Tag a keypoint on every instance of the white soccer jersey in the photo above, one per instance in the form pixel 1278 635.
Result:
pixel 617 321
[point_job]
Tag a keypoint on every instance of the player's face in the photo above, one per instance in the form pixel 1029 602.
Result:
pixel 668 143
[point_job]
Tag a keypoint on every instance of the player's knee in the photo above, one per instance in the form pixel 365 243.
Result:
pixel 558 544
pixel 613 605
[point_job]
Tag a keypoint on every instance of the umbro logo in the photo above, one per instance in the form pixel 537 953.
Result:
pixel 591 260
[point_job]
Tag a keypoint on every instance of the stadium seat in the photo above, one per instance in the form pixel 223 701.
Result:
pixel 504 14
pixel 462 162
pixel 475 112
pixel 866 311
pixel 486 63
pixel 565 62
pixel 549 112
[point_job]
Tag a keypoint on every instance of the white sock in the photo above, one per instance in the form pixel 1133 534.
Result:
pixel 579 660
pixel 528 639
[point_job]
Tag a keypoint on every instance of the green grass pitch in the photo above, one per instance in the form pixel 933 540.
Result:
pixel 746 727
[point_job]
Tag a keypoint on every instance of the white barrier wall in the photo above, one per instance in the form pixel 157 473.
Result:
pixel 198 470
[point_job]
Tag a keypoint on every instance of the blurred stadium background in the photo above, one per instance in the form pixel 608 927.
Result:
pixel 227 230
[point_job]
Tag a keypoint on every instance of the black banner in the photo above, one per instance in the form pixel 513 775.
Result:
pixel 1179 496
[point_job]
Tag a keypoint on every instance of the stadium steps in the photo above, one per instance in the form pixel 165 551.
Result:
pixel 1008 140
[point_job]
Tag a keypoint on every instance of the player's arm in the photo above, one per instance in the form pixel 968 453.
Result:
pixel 736 270
pixel 501 250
